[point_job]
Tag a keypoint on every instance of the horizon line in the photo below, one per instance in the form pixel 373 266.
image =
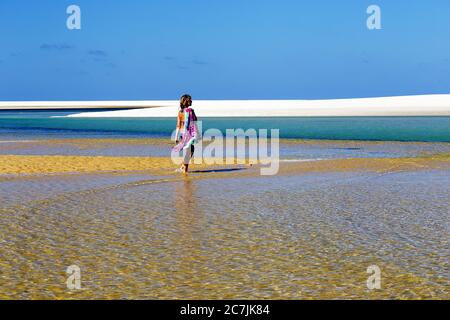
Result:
pixel 140 102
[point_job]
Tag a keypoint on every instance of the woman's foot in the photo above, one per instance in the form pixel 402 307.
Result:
pixel 180 169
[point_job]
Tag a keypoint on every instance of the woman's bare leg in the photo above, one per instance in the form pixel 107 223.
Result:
pixel 187 158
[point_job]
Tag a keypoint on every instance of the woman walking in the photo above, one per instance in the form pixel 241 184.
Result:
pixel 187 128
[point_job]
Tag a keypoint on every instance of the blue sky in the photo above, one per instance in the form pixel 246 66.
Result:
pixel 234 49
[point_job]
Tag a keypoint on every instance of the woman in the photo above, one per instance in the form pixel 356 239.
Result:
pixel 187 127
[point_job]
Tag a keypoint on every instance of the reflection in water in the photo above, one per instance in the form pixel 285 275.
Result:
pixel 304 236
pixel 185 202
pixel 188 222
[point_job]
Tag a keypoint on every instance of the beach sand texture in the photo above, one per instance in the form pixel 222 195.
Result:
pixel 427 105
pixel 14 164
pixel 138 230
pixel 421 105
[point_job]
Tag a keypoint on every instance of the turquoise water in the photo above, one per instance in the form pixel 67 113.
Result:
pixel 26 124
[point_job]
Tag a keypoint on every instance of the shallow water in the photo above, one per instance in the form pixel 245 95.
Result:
pixel 226 234
pixel 44 124
pixel 300 236
pixel 160 147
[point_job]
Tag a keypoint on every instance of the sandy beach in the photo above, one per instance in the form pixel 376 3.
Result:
pixel 57 105
pixel 423 105
pixel 151 155
pixel 14 164
pixel 309 232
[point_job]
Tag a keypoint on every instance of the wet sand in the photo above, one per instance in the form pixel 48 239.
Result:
pixel 138 230
pixel 13 164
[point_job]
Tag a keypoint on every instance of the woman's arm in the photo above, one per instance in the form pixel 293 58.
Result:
pixel 186 121
pixel 177 132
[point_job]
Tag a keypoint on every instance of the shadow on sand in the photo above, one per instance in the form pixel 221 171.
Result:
pixel 217 170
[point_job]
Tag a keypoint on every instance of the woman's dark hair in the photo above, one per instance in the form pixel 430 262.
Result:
pixel 184 101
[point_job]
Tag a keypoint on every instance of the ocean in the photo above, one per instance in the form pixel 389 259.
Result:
pixel 54 124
